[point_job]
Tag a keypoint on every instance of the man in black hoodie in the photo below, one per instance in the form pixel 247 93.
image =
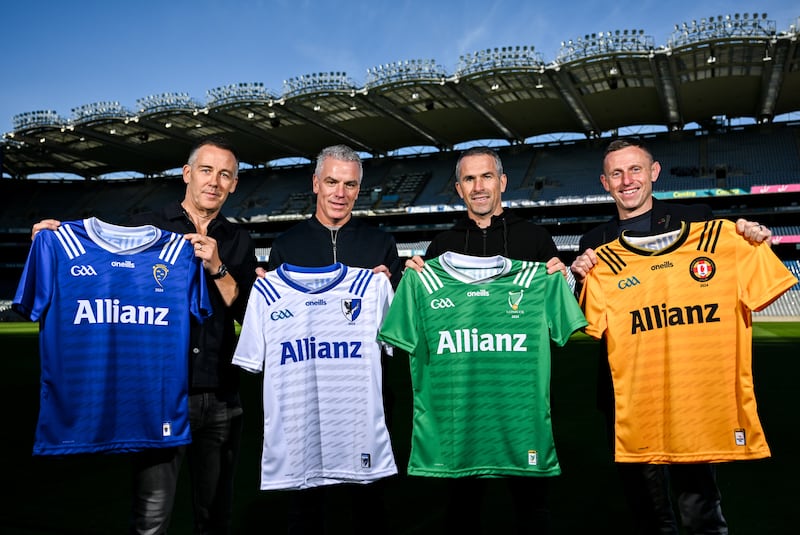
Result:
pixel 488 230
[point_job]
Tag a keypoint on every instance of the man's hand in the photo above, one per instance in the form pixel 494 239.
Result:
pixel 555 264
pixel 753 232
pixel 45 224
pixel 583 264
pixel 415 262
pixel 261 272
pixel 382 269
pixel 205 248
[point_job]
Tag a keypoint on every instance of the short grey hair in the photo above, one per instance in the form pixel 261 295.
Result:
pixel 342 153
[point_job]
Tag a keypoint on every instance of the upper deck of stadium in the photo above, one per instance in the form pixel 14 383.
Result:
pixel 732 66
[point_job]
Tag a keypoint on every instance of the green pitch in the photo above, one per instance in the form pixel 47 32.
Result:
pixel 90 495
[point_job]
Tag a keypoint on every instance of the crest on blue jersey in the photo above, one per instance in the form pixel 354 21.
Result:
pixel 351 308
pixel 160 272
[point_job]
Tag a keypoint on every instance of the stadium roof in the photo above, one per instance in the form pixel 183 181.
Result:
pixel 734 66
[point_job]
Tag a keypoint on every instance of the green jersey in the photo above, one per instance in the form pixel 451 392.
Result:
pixel 478 333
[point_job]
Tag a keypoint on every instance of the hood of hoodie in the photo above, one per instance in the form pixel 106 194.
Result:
pixel 492 239
pixel 507 234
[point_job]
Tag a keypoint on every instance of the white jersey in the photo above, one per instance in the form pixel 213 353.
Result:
pixel 313 332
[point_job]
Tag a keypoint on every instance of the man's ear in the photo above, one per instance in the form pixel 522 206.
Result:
pixel 604 182
pixel 655 171
pixel 458 189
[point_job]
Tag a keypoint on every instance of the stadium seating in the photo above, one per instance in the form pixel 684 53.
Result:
pixel 571 170
pixel 543 174
pixel 787 305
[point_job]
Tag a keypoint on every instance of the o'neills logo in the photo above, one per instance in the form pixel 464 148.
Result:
pixel 316 303
pixel 663 265
pixel 125 264
pixel 479 293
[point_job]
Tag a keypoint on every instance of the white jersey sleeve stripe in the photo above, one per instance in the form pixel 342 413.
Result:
pixel 430 280
pixel 172 248
pixel 526 274
pixel 68 241
pixel 75 240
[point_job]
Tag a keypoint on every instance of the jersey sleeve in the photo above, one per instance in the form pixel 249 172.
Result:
pixel 399 328
pixel 762 275
pixel 384 295
pixel 564 315
pixel 251 348
pixel 36 286
pixel 200 300
pixel 593 303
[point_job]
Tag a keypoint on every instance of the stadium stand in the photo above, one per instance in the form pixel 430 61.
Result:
pixel 568 171
pixel 787 306
pixel 749 158
pixel 439 189
pixel 554 184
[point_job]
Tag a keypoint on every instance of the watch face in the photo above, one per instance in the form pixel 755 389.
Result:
pixel 223 270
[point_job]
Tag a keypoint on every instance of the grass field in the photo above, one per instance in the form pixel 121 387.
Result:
pixel 89 495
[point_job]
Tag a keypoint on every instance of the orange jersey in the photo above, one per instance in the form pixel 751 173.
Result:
pixel 675 312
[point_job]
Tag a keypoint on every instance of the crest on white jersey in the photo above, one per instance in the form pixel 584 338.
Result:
pixel 351 308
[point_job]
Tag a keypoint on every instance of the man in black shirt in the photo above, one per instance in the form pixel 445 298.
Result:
pixel 228 255
pixel 629 171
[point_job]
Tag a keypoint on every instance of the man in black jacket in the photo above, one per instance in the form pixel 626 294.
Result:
pixel 332 235
pixel 629 171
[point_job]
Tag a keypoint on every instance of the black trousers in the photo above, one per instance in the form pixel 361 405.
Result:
pixel 649 489
pixel 311 511
pixel 216 436
pixel 529 496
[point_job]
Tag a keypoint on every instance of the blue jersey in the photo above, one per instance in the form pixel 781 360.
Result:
pixel 114 306
pixel 313 333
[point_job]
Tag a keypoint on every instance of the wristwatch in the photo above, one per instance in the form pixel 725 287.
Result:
pixel 223 270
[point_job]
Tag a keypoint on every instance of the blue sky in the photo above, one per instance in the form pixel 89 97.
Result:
pixel 58 55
